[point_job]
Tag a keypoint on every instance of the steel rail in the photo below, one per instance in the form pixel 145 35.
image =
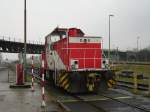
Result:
pixel 75 96
pixel 89 103
pixel 143 87
pixel 101 93
pixel 131 105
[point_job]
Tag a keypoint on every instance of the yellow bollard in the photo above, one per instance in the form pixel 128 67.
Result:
pixel 135 83
pixel 116 78
pixel 149 86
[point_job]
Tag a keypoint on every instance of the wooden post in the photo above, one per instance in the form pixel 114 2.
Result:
pixel 117 78
pixel 149 86
pixel 135 83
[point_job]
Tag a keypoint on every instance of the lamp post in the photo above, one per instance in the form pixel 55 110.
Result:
pixel 110 15
pixel 137 48
pixel 25 37
pixel 138 43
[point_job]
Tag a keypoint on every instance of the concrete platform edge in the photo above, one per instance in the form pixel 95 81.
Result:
pixel 63 106
pixel 20 86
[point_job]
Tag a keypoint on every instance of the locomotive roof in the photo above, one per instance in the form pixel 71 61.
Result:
pixel 59 31
pixel 62 31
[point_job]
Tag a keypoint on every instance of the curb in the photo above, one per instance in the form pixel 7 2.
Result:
pixel 20 86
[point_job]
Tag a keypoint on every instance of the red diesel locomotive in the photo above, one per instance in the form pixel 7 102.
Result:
pixel 75 62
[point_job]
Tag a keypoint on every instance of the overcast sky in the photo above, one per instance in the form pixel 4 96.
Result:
pixel 132 19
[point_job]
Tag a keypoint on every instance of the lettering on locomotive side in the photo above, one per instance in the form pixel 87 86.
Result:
pixel 85 40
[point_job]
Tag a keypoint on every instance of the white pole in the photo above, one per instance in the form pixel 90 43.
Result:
pixel 42 82
pixel 32 86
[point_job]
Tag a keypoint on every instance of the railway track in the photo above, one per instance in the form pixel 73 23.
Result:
pixel 90 104
pixel 99 108
pixel 130 85
pixel 136 107
pixel 74 96
pixel 139 107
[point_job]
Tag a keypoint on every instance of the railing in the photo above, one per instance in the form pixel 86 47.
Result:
pixel 12 39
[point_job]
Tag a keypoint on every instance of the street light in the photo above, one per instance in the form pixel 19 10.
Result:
pixel 138 43
pixel 110 15
pixel 25 37
pixel 137 48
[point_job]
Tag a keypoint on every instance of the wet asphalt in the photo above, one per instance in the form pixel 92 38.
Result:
pixel 22 100
pixel 109 105
pixel 103 103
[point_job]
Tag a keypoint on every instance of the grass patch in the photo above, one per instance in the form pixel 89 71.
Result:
pixel 138 69
pixel 147 95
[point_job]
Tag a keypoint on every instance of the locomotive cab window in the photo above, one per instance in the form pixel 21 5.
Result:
pixel 85 40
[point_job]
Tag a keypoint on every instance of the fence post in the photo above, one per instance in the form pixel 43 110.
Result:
pixel 135 83
pixel 149 86
pixel 117 77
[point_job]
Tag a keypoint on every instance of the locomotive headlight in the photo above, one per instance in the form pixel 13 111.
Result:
pixel 105 63
pixel 74 64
